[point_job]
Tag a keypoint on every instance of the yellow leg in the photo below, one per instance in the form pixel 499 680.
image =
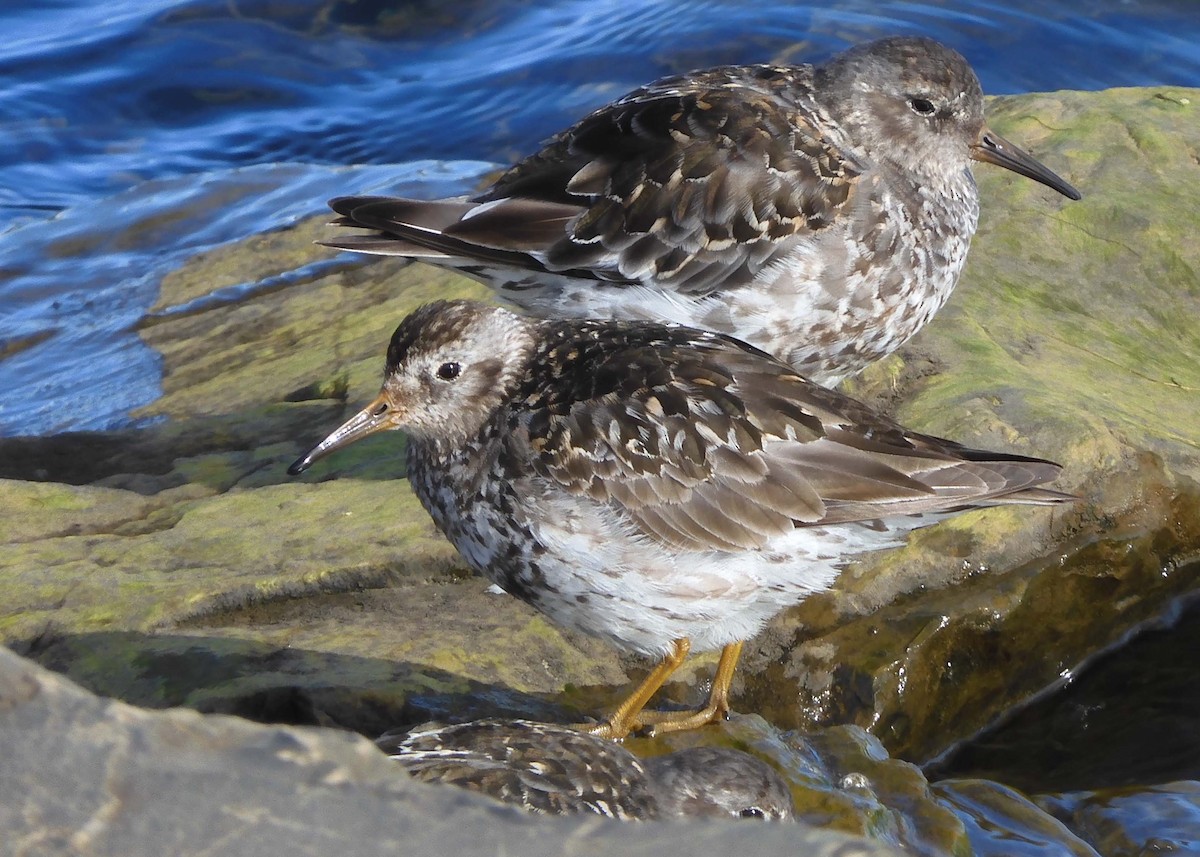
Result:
pixel 627 716
pixel 718 700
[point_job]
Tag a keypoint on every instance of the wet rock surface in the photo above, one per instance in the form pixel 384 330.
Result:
pixel 177 564
pixel 1128 718
pixel 179 782
pixel 85 775
pixel 1163 818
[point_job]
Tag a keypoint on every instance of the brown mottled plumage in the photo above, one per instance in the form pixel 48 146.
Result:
pixel 820 213
pixel 652 484
pixel 557 770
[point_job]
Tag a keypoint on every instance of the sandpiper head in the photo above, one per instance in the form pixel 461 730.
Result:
pixel 917 103
pixel 449 366
pixel 720 782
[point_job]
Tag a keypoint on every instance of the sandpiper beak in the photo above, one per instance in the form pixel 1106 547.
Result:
pixel 375 417
pixel 994 149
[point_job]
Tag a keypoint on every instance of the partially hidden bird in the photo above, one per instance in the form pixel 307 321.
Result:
pixel 556 770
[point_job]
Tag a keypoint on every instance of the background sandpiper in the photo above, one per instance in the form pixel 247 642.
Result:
pixel 820 213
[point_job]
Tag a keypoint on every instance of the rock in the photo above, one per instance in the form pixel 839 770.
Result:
pixel 996 816
pixel 1128 718
pixel 842 779
pixel 85 775
pixel 1156 819
pixel 178 564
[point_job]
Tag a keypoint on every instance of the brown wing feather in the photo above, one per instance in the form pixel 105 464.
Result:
pixel 717 447
pixel 696 183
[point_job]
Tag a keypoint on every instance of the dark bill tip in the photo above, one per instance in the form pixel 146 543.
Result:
pixel 994 149
pixel 373 418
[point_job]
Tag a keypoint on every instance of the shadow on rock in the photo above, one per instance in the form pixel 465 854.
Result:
pixel 267 684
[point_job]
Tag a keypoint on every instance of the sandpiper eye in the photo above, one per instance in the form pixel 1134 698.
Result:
pixel 752 812
pixel 448 371
pixel 921 106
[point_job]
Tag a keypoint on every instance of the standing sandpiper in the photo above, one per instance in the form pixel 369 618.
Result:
pixel 820 213
pixel 662 487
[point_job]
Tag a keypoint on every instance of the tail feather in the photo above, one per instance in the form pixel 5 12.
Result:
pixel 1037 497
pixel 408 223
pixel 378 245
pixel 519 225
pixel 505 234
pixel 515 224
pixel 388 214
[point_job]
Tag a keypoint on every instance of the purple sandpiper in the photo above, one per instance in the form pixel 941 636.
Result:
pixel 658 486
pixel 820 213
pixel 557 770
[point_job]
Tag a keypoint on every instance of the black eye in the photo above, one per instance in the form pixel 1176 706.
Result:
pixel 752 812
pixel 921 106
pixel 448 371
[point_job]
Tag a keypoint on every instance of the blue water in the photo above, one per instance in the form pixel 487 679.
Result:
pixel 134 134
